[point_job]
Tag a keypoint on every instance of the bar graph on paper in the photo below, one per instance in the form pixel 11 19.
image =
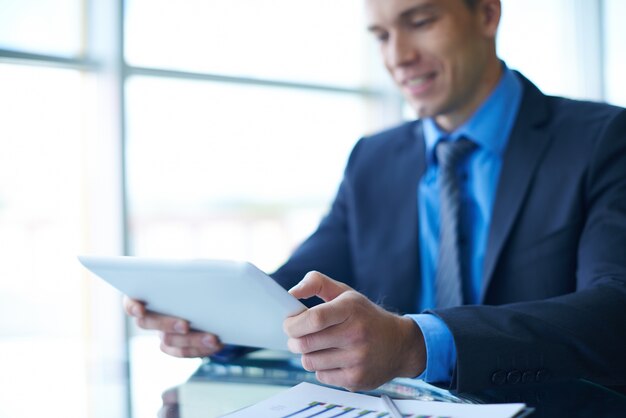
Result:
pixel 307 400
pixel 329 410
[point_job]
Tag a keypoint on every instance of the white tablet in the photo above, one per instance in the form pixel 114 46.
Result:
pixel 234 300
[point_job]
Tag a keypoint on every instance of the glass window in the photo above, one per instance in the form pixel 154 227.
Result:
pixel 221 170
pixel 42 291
pixel 615 59
pixel 42 26
pixel 319 41
pixel 553 44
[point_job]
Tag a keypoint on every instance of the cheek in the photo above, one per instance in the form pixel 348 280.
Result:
pixel 386 61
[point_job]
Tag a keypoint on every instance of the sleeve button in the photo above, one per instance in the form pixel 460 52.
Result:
pixel 498 377
pixel 542 375
pixel 528 376
pixel 514 377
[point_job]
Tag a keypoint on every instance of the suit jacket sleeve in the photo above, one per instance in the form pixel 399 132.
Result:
pixel 580 334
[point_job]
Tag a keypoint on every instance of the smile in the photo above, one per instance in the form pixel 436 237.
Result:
pixel 415 82
pixel 420 85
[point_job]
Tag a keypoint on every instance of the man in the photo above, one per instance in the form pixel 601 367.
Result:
pixel 500 199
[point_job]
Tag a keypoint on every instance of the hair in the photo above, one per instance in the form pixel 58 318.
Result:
pixel 471 4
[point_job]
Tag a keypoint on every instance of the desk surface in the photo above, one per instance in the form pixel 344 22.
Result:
pixel 212 392
pixel 552 400
pixel 59 382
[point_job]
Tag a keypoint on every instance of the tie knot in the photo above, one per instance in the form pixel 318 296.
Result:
pixel 449 153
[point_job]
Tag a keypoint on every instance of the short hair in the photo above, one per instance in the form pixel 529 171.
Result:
pixel 471 4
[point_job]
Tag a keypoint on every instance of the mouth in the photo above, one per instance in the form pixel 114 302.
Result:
pixel 419 85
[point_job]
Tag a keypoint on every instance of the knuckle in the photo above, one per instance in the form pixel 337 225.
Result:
pixel 325 377
pixel 353 296
pixel 354 378
pixel 185 351
pixel 357 333
pixel 170 350
pixel 206 340
pixel 317 319
pixel 287 327
pixel 360 358
pixel 306 343
pixel 293 345
pixel 307 363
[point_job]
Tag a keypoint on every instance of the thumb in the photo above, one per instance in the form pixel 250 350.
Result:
pixel 317 284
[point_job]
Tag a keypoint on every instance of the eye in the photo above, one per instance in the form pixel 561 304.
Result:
pixel 381 36
pixel 421 23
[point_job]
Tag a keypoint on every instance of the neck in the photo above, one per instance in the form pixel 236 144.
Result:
pixel 449 121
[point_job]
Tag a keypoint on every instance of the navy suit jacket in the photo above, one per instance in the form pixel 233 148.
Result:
pixel 553 304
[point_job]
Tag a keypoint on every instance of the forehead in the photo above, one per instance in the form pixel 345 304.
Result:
pixel 390 11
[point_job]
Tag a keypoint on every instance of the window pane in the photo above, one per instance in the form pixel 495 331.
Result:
pixel 321 41
pixel 558 54
pixel 231 171
pixel 615 64
pixel 42 26
pixel 42 318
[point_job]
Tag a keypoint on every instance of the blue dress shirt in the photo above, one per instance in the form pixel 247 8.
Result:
pixel 489 127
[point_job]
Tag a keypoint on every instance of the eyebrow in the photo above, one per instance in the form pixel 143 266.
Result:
pixel 421 8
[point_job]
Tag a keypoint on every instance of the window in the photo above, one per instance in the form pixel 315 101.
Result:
pixel 51 27
pixel 615 64
pixel 58 174
pixel 556 44
pixel 318 42
pixel 240 119
pixel 222 131
pixel 42 297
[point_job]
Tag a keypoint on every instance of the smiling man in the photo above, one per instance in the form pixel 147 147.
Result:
pixel 441 55
pixel 483 244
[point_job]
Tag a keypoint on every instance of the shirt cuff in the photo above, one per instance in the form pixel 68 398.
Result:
pixel 440 348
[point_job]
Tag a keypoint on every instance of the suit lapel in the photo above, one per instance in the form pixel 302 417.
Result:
pixel 524 151
pixel 417 158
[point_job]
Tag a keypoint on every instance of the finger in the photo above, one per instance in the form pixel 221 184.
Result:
pixel 353 379
pixel 186 352
pixel 163 323
pixel 332 358
pixel 337 336
pixel 201 340
pixel 316 319
pixel 315 283
pixel 134 307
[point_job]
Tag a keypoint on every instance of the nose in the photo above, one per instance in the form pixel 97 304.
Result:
pixel 400 50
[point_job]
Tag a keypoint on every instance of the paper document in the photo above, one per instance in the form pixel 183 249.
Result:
pixel 309 400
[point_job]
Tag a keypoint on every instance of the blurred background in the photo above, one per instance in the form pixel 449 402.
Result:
pixel 196 128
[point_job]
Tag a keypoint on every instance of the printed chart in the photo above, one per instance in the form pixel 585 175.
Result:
pixel 307 400
pixel 329 410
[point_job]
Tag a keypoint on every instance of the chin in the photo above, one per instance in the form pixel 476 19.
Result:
pixel 422 111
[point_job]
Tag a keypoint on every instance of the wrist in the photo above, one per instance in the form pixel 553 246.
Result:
pixel 412 349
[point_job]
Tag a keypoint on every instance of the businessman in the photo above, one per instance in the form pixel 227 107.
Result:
pixel 483 244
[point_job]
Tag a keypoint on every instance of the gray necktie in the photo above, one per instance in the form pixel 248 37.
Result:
pixel 448 281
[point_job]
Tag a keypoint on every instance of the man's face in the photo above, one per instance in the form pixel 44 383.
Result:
pixel 439 52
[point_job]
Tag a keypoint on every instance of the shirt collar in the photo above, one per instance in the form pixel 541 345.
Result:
pixel 491 124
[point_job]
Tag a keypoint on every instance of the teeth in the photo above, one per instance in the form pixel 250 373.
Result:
pixel 417 81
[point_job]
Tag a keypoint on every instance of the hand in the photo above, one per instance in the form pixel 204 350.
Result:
pixel 177 339
pixel 349 341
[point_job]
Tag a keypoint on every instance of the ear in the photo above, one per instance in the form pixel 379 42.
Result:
pixel 489 12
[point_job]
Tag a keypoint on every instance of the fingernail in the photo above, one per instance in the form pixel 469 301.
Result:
pixel 179 326
pixel 208 342
pixel 135 311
